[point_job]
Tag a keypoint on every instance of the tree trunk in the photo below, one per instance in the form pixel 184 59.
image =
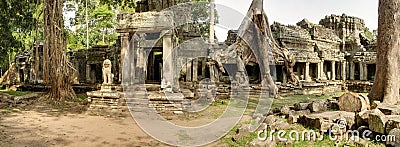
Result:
pixel 386 85
pixel 59 72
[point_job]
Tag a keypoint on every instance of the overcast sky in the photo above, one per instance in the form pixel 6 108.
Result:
pixel 292 11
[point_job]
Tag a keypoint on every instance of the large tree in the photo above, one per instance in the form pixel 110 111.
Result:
pixel 56 68
pixel 386 85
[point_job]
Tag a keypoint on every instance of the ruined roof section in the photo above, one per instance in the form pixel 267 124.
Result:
pixel 343 25
pixel 324 34
pixel 290 31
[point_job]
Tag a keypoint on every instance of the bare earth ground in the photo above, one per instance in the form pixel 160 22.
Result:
pixel 30 128
pixel 43 124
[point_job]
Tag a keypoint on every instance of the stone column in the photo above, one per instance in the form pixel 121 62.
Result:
pixel 320 70
pixel 365 68
pixel 284 77
pixel 333 70
pixel 195 67
pixel 168 71
pixel 343 71
pixel 352 69
pixel 212 73
pixel 189 70
pixel 203 68
pixel 140 66
pixel 124 48
pixel 88 80
pixel 361 69
pixel 307 73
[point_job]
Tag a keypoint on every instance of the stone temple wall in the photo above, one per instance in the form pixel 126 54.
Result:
pixel 332 51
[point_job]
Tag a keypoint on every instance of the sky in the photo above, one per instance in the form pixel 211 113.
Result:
pixel 231 12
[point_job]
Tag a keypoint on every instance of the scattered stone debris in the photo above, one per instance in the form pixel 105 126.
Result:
pixel 10 101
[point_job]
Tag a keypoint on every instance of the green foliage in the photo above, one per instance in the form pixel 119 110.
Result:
pixel 102 18
pixel 17 27
pixel 368 33
pixel 201 15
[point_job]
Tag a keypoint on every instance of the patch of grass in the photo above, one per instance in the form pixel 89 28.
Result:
pixel 15 93
pixel 82 97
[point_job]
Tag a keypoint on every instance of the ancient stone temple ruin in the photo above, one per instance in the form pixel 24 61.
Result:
pixel 330 56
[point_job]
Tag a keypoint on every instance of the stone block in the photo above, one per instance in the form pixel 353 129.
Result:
pixel 352 102
pixel 300 106
pixel 377 121
pixel 318 106
pixel 388 109
pixel 317 120
pixel 396 133
pixel 362 117
pixel 392 123
pixel 295 115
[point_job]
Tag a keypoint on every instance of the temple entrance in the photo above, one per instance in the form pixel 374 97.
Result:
pixel 253 72
pixel 357 71
pixel 95 73
pixel 279 73
pixel 313 71
pixel 328 69
pixel 300 69
pixel 154 66
pixel 371 68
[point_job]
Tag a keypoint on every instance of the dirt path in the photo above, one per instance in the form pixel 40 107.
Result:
pixel 30 128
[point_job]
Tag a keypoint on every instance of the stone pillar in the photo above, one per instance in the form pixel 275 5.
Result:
pixel 333 70
pixel 352 69
pixel 343 71
pixel 168 71
pixel 195 67
pixel 124 48
pixel 307 73
pixel 88 80
pixel 140 66
pixel 203 68
pixel 320 70
pixel 284 77
pixel 299 71
pixel 212 73
pixel 366 71
pixel 189 70
pixel 361 69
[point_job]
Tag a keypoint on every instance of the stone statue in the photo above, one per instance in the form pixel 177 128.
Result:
pixel 107 74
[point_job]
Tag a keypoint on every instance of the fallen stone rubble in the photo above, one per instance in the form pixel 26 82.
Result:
pixel 10 101
pixel 336 116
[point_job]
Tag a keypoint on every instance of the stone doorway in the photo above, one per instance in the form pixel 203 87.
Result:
pixel 313 71
pixel 154 66
pixel 357 71
pixel 253 72
pixel 95 74
pixel 371 68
